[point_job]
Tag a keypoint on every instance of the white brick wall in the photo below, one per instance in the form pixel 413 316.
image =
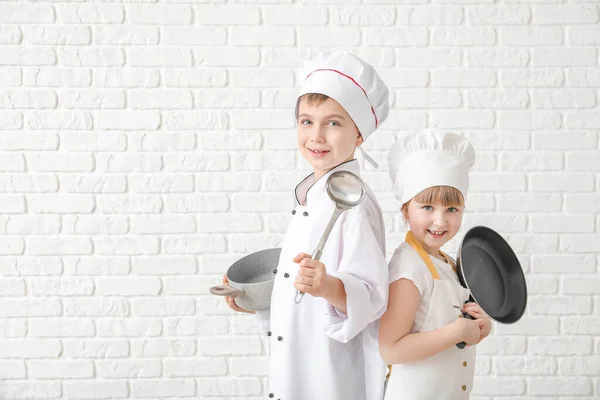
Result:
pixel 144 147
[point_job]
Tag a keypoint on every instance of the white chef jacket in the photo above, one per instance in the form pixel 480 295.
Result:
pixel 316 351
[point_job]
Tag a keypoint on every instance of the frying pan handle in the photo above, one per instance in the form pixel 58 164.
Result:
pixel 225 290
pixel 462 345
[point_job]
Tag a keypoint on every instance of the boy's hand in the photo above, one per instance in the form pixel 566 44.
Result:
pixel 312 276
pixel 485 324
pixel 231 302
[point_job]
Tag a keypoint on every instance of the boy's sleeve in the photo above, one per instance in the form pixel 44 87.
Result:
pixel 264 320
pixel 364 272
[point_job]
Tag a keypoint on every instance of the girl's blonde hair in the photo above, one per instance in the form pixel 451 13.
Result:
pixel 446 195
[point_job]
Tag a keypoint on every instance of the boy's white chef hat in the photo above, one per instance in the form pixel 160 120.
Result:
pixel 351 82
pixel 428 158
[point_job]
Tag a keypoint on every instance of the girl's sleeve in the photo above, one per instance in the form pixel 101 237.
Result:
pixel 364 272
pixel 406 265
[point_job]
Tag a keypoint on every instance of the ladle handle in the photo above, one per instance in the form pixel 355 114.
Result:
pixel 225 290
pixel 462 345
pixel 316 255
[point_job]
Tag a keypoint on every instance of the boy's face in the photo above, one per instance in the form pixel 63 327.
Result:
pixel 433 224
pixel 327 136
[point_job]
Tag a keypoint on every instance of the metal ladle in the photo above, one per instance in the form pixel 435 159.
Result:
pixel 346 190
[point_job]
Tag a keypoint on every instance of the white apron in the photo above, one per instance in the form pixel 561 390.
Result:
pixel 447 375
pixel 317 352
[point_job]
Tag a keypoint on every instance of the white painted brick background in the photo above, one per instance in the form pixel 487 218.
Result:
pixel 146 146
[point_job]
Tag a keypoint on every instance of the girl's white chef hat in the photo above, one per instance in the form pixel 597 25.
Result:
pixel 351 82
pixel 428 158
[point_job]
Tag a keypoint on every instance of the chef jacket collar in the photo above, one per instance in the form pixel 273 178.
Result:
pixel 308 189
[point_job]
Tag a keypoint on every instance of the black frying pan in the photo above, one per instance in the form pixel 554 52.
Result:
pixel 489 268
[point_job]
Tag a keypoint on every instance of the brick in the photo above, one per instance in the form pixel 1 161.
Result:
pixel 582 119
pixel 134 204
pixel 429 15
pixel 195 36
pixel 30 307
pixel 328 37
pixel 90 13
pixel 162 388
pixel 428 57
pixel 559 305
pixel 126 77
pixel 499 222
pixel 30 348
pixel 32 390
pixel 130 327
pixel 564 181
pixel 60 369
pixel 250 366
pixel 131 245
pixel 163 347
pixel 565 14
pixel 262 119
pixel 584 35
pixel 462 119
pixel 262 36
pixel 564 57
pixel 194 245
pixel 227 57
pixel 492 385
pixel 226 387
pixel 497 57
pixel 12 204
pixel 531 162
pixel 499 15
pixel 527 243
pixel 61 120
pixel 129 368
pixel 557 264
pixel 463 36
pixel 161 184
pixel 128 120
pixel 148 307
pixel 227 98
pixel 205 78
pixel 396 37
pixel 160 99
pixel 26 13
pixel 578 366
pixel 210 14
pixel 12 370
pixel 167 224
pixel 237 140
pixel 526 366
pixel 581 325
pixel 142 163
pixel 278 140
pixel 583 77
pixel 194 326
pixel 428 98
pixel 546 284
pixel 126 35
pixel 92 99
pixel 538 77
pixel 186 162
pixel 57 77
pixel 181 368
pixel 497 98
pixel 192 120
pixel 228 182
pixel 63 204
pixel 96 348
pixel 562 223
pixel 206 203
pixel 54 35
pixel 159 57
pixel 95 266
pixel 94 307
pixel 61 286
pixel 96 390
pixel 58 245
pixel 172 141
pixel 545 325
pixel 10 287
pixel 583 243
pixel 564 141
pixel 282 15
pixel 93 184
pixel 159 14
pixel 24 266
pixel 463 78
pixel 563 99
pixel 249 243
pixel 58 162
pixel 10 77
pixel 261 161
pixel 164 265
pixel 531 36
pixel 559 386
pixel 225 223
pixel 91 57
pixel 16 183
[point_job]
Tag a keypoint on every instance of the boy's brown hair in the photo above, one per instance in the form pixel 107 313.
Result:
pixel 314 98
pixel 447 195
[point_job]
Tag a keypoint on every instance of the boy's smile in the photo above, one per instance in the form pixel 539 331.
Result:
pixel 327 136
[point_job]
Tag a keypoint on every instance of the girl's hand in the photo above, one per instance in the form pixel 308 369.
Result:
pixel 467 331
pixel 231 302
pixel 312 276
pixel 485 324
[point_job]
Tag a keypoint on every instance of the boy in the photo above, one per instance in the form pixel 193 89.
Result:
pixel 324 347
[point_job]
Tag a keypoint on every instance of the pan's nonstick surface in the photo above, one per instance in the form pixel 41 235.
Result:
pixel 493 274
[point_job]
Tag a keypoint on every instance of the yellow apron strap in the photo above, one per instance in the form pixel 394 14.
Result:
pixel 448 260
pixel 410 239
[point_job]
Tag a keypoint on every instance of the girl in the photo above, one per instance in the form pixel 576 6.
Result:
pixel 423 322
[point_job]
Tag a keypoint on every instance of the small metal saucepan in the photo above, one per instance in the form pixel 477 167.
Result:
pixel 251 280
pixel 489 268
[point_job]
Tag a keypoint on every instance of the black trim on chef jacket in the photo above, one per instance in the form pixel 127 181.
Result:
pixel 313 184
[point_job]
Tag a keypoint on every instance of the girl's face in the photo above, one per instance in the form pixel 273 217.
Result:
pixel 433 225
pixel 327 136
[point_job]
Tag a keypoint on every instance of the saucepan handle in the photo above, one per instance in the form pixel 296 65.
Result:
pixel 462 345
pixel 225 290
